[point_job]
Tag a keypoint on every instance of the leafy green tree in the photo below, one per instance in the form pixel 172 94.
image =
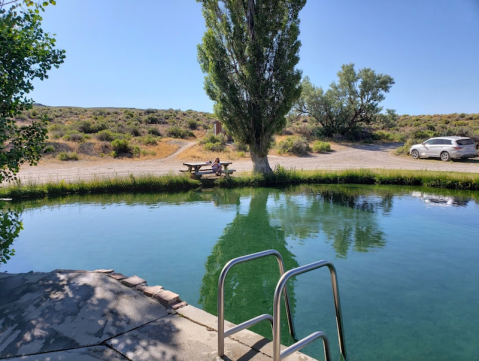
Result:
pixel 388 120
pixel 249 52
pixel 10 227
pixel 348 105
pixel 26 53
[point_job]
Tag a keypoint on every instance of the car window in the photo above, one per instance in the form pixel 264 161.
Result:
pixel 447 141
pixel 465 141
pixel 430 141
pixel 439 141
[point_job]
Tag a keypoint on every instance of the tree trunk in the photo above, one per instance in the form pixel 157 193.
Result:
pixel 260 163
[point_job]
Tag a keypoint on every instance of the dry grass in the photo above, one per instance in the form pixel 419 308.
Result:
pixel 163 149
pixel 198 152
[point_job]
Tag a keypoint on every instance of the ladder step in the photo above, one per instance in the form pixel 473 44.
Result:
pixel 248 324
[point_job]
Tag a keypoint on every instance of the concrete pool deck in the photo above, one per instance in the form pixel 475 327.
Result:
pixel 101 315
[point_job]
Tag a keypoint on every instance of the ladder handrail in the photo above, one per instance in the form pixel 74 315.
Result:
pixel 221 313
pixel 277 354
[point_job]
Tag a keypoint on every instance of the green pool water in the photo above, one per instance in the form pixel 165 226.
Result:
pixel 407 259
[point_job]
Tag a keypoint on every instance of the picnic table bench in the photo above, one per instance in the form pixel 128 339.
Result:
pixel 199 169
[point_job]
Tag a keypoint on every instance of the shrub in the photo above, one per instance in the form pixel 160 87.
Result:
pixel 149 140
pixel 49 149
pixel 135 150
pixel 88 127
pixel 192 124
pixel 460 131
pixel 74 137
pixel 128 113
pixel 405 148
pixel 305 130
pixel 177 132
pixel 134 131
pixel 56 127
pixel 57 134
pixel 321 147
pixel 294 145
pixel 210 138
pixel 421 134
pixel 121 146
pixel 21 116
pixel 383 135
pixel 214 147
pixel 68 156
pixel 214 143
pixel 152 119
pixel 105 135
pixel 154 131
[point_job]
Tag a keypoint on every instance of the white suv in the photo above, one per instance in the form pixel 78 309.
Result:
pixel 445 148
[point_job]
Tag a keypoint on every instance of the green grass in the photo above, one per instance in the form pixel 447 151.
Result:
pixel 448 180
pixel 281 177
pixel 131 184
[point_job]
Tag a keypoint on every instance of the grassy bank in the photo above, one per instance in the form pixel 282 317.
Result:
pixel 459 181
pixel 173 183
pixel 131 184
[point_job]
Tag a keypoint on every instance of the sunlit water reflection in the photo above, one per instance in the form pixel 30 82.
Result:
pixel 407 259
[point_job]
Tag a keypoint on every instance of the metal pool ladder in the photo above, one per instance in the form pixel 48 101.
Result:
pixel 275 319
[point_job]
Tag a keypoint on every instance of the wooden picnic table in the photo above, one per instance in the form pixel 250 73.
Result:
pixel 195 168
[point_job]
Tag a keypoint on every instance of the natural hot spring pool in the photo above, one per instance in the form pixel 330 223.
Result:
pixel 407 259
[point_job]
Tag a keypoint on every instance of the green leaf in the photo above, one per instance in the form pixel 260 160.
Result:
pixel 27 53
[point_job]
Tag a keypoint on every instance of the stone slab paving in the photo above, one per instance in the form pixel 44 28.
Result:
pixel 81 315
pixel 43 312
pixel 245 337
pixel 176 338
pixel 94 353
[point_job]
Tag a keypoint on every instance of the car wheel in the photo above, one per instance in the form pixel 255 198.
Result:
pixel 445 157
pixel 415 154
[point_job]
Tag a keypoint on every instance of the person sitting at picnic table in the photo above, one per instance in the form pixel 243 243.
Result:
pixel 217 168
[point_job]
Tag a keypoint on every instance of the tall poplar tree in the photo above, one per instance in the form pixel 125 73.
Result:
pixel 249 53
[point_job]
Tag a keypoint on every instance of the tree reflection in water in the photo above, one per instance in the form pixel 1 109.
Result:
pixel 10 227
pixel 347 218
pixel 249 287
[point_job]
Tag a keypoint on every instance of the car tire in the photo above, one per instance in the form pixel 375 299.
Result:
pixel 415 154
pixel 445 157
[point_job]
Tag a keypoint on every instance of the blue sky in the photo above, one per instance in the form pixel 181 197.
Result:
pixel 143 54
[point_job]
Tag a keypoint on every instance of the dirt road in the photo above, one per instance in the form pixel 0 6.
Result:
pixel 345 157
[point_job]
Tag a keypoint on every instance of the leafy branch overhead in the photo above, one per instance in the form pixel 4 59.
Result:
pixel 26 53
pixel 349 104
pixel 10 227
